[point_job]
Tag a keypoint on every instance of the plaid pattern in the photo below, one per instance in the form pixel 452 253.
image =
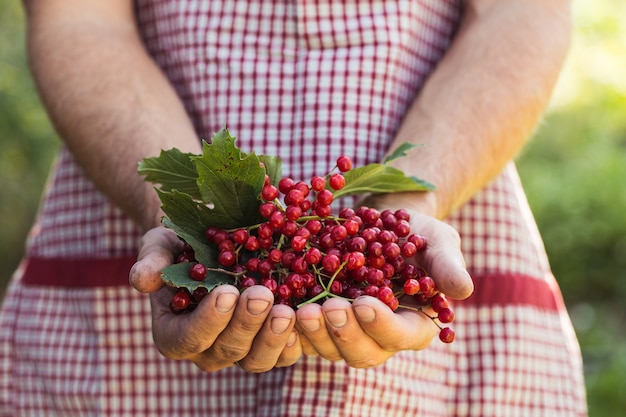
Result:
pixel 306 81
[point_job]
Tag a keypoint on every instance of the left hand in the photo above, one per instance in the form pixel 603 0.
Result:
pixel 366 332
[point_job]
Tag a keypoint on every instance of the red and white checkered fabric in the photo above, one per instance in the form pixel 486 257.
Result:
pixel 306 81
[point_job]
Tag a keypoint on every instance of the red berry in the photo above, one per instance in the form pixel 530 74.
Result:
pixel 227 258
pixel 252 244
pixel 439 302
pixel 180 301
pixel 266 210
pixel 408 249
pixel 318 184
pixel 199 293
pixel 419 241
pixel 402 214
pixel 411 286
pixel 325 197
pixel 331 263
pixel 402 228
pixel 445 315
pixel 247 282
pixel 344 163
pixel 446 335
pixel 337 181
pixel 293 212
pixel 240 236
pixel 339 233
pixel 294 197
pixel 275 255
pixel 336 287
pixel 427 286
pixel 322 210
pixel 355 260
pixel 197 272
pixel 313 256
pixel 285 185
pixel 271 284
pixel 385 294
pixel 284 291
pixel 269 192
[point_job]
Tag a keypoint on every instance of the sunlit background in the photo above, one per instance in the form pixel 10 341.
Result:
pixel 574 171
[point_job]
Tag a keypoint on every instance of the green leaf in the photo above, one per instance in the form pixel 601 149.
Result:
pixel 273 167
pixel 189 218
pixel 230 180
pixel 399 152
pixel 379 178
pixel 173 170
pixel 177 275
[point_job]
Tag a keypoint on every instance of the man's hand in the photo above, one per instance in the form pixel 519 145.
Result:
pixel 366 333
pixel 226 327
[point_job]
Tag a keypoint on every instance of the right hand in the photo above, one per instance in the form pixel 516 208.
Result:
pixel 226 328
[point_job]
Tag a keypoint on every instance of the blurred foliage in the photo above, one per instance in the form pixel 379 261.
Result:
pixel 574 171
pixel 27 141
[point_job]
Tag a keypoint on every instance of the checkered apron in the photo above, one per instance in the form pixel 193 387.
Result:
pixel 307 81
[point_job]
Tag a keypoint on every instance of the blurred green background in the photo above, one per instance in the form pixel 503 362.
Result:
pixel 574 171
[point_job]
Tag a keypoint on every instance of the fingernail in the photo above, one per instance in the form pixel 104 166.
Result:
pixel 280 324
pixel 257 306
pixel 310 325
pixel 225 302
pixel 337 318
pixel 365 314
pixel 292 339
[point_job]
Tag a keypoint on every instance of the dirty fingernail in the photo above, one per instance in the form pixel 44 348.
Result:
pixel 312 325
pixel 365 314
pixel 225 302
pixel 292 339
pixel 337 318
pixel 257 306
pixel 279 324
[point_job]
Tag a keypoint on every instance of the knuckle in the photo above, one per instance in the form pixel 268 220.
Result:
pixel 229 353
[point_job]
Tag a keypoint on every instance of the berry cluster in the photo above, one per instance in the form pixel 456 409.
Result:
pixel 303 253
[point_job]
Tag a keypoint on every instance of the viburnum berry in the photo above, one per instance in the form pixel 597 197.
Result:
pixel 446 335
pixel 304 253
pixel 199 293
pixel 325 197
pixel 285 185
pixel 445 315
pixel 181 300
pixel 337 181
pixel 198 272
pixel 269 192
pixel 318 184
pixel 411 286
pixel 344 163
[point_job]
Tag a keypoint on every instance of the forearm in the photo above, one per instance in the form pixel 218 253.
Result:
pixel 108 101
pixel 483 101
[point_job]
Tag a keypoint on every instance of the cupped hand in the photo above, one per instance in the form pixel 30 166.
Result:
pixel 366 332
pixel 225 328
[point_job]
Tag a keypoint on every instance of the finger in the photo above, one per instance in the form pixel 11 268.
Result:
pixel 235 341
pixel 305 344
pixel 443 258
pixel 310 324
pixel 292 351
pixel 157 250
pixel 271 340
pixel 394 331
pixel 184 336
pixel 357 348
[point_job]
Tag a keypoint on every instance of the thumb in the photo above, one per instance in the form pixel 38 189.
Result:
pixel 158 248
pixel 444 260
